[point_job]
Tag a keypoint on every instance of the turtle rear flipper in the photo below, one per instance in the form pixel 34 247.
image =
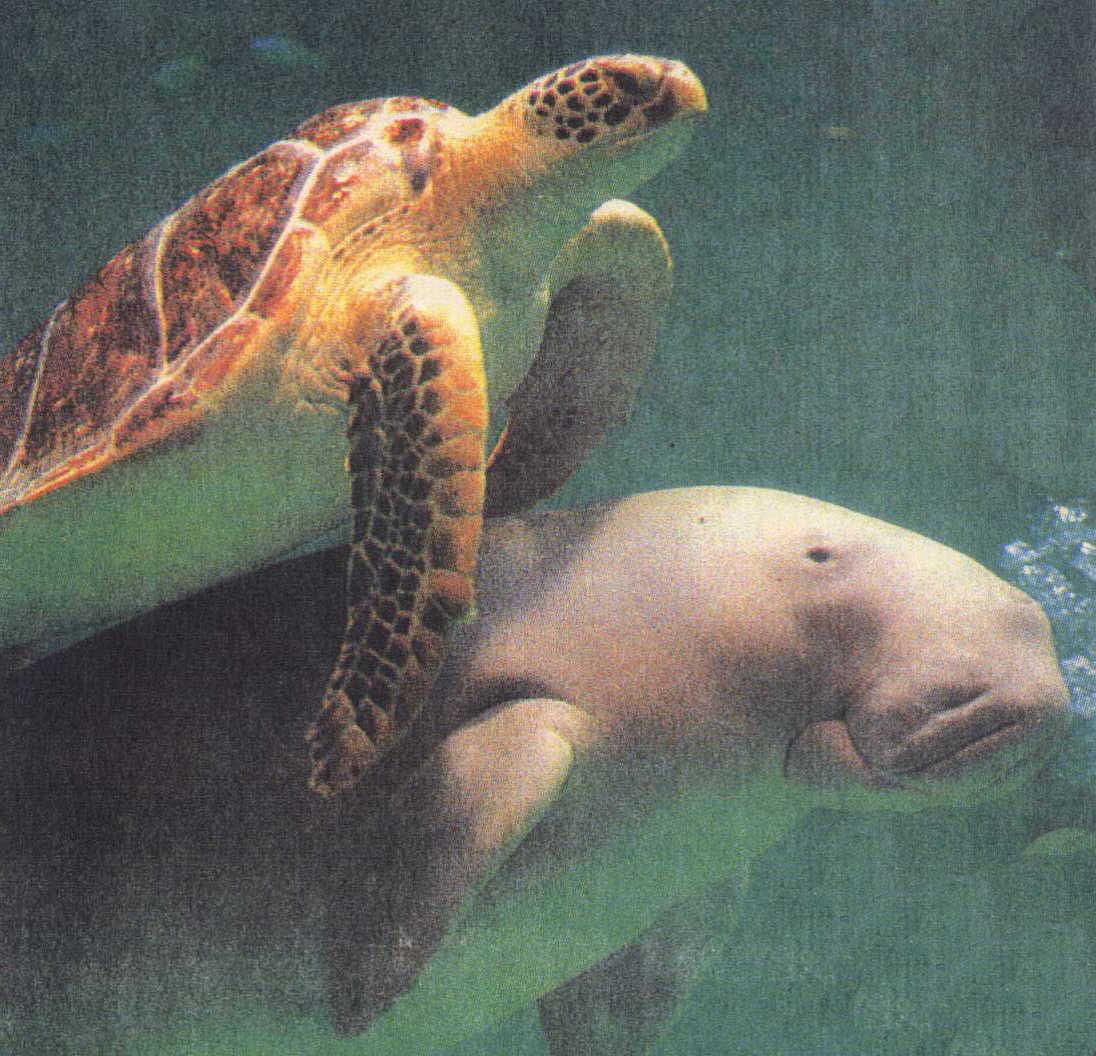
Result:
pixel 417 427
pixel 607 291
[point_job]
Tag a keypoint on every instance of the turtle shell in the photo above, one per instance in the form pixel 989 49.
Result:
pixel 131 358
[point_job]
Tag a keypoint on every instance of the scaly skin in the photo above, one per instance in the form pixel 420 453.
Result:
pixel 227 342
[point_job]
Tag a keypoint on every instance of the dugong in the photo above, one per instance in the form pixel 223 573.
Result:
pixel 651 694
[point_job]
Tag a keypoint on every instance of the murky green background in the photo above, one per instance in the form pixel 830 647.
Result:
pixel 868 308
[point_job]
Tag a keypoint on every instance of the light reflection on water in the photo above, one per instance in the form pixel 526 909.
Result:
pixel 1056 565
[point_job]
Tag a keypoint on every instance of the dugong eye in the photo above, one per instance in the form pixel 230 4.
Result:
pixel 818 554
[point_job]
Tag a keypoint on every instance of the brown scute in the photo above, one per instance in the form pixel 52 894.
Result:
pixel 102 350
pixel 617 113
pixel 274 296
pixel 206 370
pixel 568 113
pixel 326 129
pixel 156 416
pixel 434 619
pixel 338 175
pixel 219 240
pixel 87 461
pixel 411 104
pixel 17 373
pixel 406 130
pixel 340 122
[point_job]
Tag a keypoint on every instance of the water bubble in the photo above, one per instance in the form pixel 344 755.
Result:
pixel 1055 563
pixel 1079 673
pixel 1072 514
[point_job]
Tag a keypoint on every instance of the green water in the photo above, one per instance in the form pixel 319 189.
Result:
pixel 860 313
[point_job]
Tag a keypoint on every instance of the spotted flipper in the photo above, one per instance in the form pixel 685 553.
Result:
pixel 417 426
pixel 606 293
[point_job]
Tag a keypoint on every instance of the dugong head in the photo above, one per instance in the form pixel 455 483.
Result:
pixel 740 633
pixel 940 681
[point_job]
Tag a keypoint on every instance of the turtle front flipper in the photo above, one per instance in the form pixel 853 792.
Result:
pixel 417 426
pixel 606 293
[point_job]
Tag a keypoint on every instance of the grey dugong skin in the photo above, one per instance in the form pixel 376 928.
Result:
pixel 733 654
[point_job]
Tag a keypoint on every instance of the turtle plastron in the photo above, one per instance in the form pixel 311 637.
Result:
pixel 417 428
pixel 605 293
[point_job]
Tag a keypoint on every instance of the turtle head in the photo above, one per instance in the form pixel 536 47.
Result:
pixel 599 128
pixel 588 132
pixel 613 121
pixel 557 148
pixel 528 172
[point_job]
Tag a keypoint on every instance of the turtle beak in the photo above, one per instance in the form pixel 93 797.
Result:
pixel 680 95
pixel 663 89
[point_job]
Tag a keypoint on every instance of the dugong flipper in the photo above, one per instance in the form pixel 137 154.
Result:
pixel 622 1005
pixel 461 815
pixel 458 818
pixel 653 693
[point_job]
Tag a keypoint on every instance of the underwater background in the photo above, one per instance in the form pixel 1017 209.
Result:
pixel 872 306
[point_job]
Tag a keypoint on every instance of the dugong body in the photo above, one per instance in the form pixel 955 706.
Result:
pixel 652 693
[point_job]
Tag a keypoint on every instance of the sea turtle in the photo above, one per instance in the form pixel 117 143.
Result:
pixel 181 416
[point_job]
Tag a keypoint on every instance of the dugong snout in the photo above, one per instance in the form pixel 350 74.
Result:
pixel 955 700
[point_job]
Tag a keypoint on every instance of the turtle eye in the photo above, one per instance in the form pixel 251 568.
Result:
pixel 819 554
